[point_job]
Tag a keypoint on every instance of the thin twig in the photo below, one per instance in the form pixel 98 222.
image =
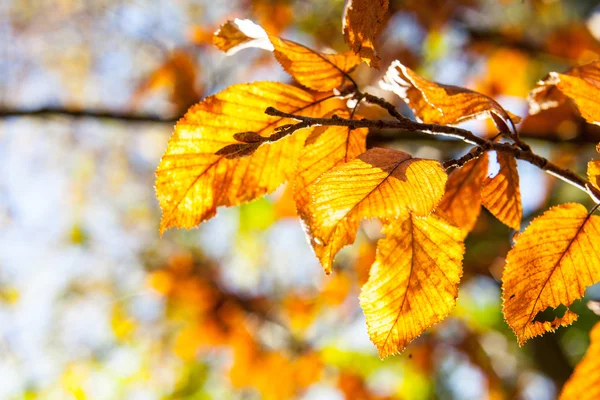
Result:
pixel 462 134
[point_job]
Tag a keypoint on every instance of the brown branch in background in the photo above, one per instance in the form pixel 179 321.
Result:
pixel 47 112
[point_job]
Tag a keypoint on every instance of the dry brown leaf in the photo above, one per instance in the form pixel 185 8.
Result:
pixel 584 383
pixel 317 71
pixel 380 183
pixel 502 195
pixel 434 103
pixel 361 23
pixel 413 283
pixel 552 263
pixel 192 181
pixel 461 203
pixel 326 148
pixel 581 84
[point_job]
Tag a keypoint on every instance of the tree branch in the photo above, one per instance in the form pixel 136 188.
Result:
pixel 441 130
pixel 100 114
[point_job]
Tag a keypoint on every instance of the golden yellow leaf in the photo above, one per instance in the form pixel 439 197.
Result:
pixel 581 84
pixel 584 383
pixel 502 195
pixel 362 21
pixel 593 172
pixel 380 183
pixel 461 203
pixel 325 149
pixel 413 283
pixel 434 103
pixel 552 263
pixel 317 71
pixel 192 181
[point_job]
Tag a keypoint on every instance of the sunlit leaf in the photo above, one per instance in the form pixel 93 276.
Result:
pixel 461 203
pixel 317 71
pixel 192 181
pixel 593 173
pixel 502 195
pixel 580 84
pixel 361 22
pixel 552 263
pixel 435 103
pixel 584 383
pixel 380 183
pixel 326 148
pixel 414 281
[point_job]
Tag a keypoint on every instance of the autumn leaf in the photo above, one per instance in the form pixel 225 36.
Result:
pixel 584 383
pixel 325 149
pixel 593 172
pixel 380 183
pixel 501 194
pixel 192 181
pixel 435 103
pixel 552 263
pixel 413 283
pixel 317 71
pixel 361 22
pixel 580 84
pixel 178 74
pixel 461 203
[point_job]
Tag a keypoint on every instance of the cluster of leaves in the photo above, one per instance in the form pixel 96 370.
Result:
pixel 247 140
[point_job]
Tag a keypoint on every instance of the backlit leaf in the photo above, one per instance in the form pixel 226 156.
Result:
pixel 326 148
pixel 192 181
pixel 361 22
pixel 593 173
pixel 413 283
pixel 461 203
pixel 317 71
pixel 552 263
pixel 502 195
pixel 380 183
pixel 435 103
pixel 584 383
pixel 581 84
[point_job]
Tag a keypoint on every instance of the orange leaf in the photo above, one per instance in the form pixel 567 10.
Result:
pixel 362 21
pixel 552 263
pixel 317 71
pixel 581 84
pixel 434 103
pixel 380 183
pixel 192 181
pixel 177 73
pixel 413 283
pixel 461 203
pixel 593 173
pixel 502 195
pixel 326 148
pixel 584 383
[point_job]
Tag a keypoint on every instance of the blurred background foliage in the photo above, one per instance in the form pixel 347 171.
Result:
pixel 95 305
